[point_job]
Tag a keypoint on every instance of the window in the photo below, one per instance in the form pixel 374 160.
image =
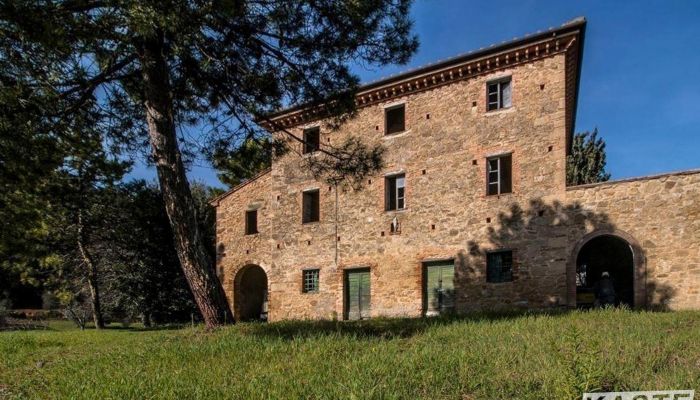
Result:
pixel 251 222
pixel 499 266
pixel 500 173
pixel 310 280
pixel 310 212
pixel 395 197
pixel 312 139
pixel 499 94
pixel 395 119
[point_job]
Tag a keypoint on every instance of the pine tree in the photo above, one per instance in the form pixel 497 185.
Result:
pixel 586 163
pixel 161 70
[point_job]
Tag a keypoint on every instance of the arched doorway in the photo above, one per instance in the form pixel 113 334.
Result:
pixel 614 254
pixel 250 294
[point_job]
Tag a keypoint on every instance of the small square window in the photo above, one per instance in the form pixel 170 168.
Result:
pixel 310 280
pixel 499 266
pixel 499 94
pixel 395 119
pixel 395 192
pixel 251 222
pixel 312 140
pixel 310 206
pixel 499 175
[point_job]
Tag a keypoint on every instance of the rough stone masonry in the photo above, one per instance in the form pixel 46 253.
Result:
pixel 443 152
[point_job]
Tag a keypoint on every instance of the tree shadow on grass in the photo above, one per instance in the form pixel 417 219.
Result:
pixel 382 328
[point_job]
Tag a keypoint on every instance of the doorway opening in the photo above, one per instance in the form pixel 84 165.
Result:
pixel 438 287
pixel 251 295
pixel 357 294
pixel 604 261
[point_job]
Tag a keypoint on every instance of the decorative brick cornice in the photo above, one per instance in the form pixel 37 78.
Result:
pixel 517 52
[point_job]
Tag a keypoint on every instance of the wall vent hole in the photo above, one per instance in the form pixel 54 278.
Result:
pixel 488 220
pixel 473 103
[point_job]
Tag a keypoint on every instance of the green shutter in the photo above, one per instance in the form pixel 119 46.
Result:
pixel 439 287
pixel 432 288
pixel 358 297
pixel 448 286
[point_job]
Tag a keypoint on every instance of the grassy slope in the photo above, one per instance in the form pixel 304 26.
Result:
pixel 534 356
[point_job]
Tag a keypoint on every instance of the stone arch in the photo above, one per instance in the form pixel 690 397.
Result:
pixel 639 272
pixel 250 293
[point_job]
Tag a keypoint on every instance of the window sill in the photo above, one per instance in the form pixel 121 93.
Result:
pixel 500 111
pixel 401 211
pixel 498 196
pixel 314 292
pixel 310 223
pixel 251 234
pixel 311 154
pixel 397 134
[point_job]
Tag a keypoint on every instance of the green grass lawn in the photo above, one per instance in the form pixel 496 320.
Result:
pixel 503 356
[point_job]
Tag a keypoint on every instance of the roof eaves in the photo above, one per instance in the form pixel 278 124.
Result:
pixel 572 25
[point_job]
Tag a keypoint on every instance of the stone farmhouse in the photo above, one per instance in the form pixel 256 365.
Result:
pixel 472 210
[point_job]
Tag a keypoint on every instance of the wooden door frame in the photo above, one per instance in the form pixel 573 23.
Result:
pixel 424 288
pixel 346 292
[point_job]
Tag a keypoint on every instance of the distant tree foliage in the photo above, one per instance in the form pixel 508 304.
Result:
pixel 586 163
pixel 239 164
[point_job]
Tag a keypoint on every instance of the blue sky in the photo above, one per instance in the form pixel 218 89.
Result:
pixel 640 82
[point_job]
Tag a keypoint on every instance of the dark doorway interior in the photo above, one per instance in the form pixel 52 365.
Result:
pixel 605 253
pixel 252 294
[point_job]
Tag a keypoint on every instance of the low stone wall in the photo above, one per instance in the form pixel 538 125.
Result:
pixel 660 217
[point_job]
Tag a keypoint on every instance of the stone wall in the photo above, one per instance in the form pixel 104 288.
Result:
pixel 660 217
pixel 443 155
pixel 449 134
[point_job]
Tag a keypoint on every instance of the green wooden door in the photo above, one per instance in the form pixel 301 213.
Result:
pixel 439 287
pixel 357 289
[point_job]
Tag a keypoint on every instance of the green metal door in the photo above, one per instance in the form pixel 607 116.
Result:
pixel 357 289
pixel 439 287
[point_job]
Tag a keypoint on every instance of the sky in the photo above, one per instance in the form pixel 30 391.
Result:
pixel 640 82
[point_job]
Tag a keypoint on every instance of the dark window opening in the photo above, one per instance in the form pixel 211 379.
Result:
pixel 500 174
pixel 395 118
pixel 310 212
pixel 499 94
pixel 499 266
pixel 395 192
pixel 312 140
pixel 310 280
pixel 251 222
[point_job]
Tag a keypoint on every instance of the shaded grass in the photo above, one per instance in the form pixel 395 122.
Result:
pixel 507 355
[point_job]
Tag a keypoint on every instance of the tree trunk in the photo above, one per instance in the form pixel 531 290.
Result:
pixel 91 275
pixel 179 205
